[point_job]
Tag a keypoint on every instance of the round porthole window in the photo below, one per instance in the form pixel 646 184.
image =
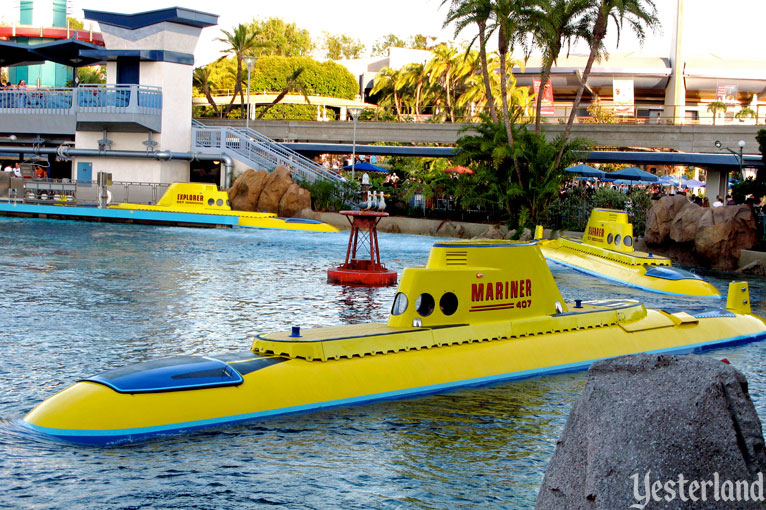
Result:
pixel 219 202
pixel 448 303
pixel 617 240
pixel 424 304
pixel 628 241
pixel 400 304
pixel 210 201
pixel 609 239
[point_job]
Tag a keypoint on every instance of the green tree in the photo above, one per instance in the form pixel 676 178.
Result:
pixel 525 197
pixel 241 41
pixel 338 46
pixel 716 106
pixel 513 19
pixel 415 77
pixel 275 37
pixel 381 46
pixel 91 74
pixel 559 23
pixel 441 70
pixel 389 83
pixel 202 81
pixel 639 14
pixel 744 114
pixel 465 13
pixel 74 23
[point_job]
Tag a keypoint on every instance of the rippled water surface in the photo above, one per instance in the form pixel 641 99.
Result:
pixel 79 298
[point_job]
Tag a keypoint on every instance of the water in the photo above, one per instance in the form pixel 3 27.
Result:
pixel 79 298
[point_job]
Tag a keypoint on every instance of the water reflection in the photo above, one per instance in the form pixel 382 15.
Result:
pixel 81 298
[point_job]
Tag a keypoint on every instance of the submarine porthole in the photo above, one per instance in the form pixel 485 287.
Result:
pixel 219 202
pixel 424 304
pixel 228 203
pixel 448 303
pixel 617 240
pixel 609 239
pixel 628 241
pixel 210 201
pixel 400 304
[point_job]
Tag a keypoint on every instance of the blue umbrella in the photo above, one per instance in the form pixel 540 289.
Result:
pixel 366 167
pixel 633 174
pixel 585 171
pixel 692 183
pixel 667 180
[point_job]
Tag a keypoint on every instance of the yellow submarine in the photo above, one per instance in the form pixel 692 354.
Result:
pixel 478 312
pixel 198 198
pixel 606 251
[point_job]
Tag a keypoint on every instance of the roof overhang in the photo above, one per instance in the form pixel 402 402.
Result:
pixel 179 15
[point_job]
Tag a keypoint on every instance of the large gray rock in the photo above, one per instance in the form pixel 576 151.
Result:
pixel 662 415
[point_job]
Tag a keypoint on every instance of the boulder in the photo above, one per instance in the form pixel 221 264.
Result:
pixel 756 268
pixel 660 217
pixel 653 418
pixel 275 186
pixel 526 235
pixel 308 214
pixel 294 199
pixel 448 229
pixel 683 228
pixel 492 232
pixel 722 233
pixel 246 190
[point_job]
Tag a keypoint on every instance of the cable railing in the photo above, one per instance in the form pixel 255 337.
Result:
pixel 255 149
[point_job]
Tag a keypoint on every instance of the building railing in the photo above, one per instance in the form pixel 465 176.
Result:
pixel 133 99
pixel 251 146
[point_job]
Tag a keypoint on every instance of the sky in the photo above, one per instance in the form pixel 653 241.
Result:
pixel 728 28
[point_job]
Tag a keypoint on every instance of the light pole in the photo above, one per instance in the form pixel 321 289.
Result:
pixel 354 111
pixel 249 62
pixel 741 145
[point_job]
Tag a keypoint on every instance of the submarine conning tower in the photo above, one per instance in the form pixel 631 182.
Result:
pixel 470 282
pixel 611 229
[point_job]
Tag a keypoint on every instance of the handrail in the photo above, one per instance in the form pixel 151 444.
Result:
pixel 254 147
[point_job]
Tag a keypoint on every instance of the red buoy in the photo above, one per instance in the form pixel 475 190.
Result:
pixel 368 272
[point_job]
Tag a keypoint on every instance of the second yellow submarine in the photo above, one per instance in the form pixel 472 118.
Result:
pixel 606 250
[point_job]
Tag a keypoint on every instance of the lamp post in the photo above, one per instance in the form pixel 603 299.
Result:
pixel 741 145
pixel 354 111
pixel 249 62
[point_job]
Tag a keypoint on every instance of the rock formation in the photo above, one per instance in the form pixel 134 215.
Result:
pixel 271 192
pixel 709 236
pixel 648 418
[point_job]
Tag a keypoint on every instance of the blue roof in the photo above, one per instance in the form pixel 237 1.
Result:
pixel 179 15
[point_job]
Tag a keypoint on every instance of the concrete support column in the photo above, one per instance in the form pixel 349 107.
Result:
pixel 675 93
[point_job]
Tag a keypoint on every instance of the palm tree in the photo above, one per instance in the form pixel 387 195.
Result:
pixel 464 13
pixel 390 82
pixel 513 21
pixel 202 80
pixel 638 13
pixel 558 24
pixel 415 76
pixel 241 42
pixel 441 69
pixel 292 84
pixel 745 113
pixel 715 107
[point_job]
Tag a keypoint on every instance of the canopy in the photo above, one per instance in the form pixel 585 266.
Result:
pixel 458 170
pixel 667 180
pixel 366 167
pixel 585 170
pixel 626 182
pixel 67 52
pixel 692 183
pixel 12 54
pixel 633 174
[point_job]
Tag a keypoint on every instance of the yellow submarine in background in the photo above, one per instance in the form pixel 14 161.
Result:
pixel 198 198
pixel 478 312
pixel 606 251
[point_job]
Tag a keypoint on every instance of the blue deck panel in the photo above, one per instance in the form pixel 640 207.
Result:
pixel 74 212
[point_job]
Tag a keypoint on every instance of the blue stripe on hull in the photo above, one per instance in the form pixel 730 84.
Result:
pixel 621 282
pixel 120 436
pixel 75 212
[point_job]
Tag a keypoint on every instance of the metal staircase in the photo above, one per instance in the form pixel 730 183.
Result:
pixel 257 151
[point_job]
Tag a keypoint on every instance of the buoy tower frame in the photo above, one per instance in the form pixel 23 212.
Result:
pixel 362 271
